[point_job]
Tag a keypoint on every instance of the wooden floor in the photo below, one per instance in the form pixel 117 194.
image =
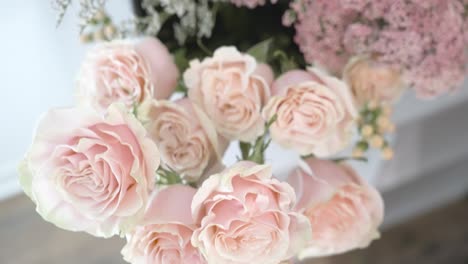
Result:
pixel 439 237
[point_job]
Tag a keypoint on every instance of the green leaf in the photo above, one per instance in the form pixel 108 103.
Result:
pixel 258 154
pixel 363 145
pixel 167 177
pixel 342 159
pixel 307 156
pixel 271 121
pixel 261 50
pixel 181 88
pixel 180 58
pixel 286 63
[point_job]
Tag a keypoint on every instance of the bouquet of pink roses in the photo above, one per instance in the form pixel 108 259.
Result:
pixel 141 153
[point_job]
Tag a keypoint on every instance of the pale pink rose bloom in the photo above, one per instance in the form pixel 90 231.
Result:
pixel 186 138
pixel 315 112
pixel 231 92
pixel 371 81
pixel 266 72
pixel 246 217
pixel 164 73
pixel 126 72
pixel 164 235
pixel 87 172
pixel 344 211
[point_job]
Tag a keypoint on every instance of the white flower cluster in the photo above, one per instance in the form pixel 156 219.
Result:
pixel 61 6
pixel 196 18
pixel 87 11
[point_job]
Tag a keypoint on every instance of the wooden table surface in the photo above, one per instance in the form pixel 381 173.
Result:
pixel 439 237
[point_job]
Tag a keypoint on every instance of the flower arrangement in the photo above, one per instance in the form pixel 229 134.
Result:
pixel 140 155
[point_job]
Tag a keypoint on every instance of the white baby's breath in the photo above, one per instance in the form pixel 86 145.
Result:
pixel 87 11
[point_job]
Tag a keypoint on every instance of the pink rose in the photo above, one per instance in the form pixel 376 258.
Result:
pixel 231 91
pixel 246 217
pixel 371 81
pixel 164 235
pixel 127 73
pixel 342 208
pixel 315 112
pixel 185 136
pixel 86 172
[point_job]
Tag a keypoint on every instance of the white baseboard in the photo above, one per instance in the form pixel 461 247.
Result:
pixel 426 193
pixel 425 146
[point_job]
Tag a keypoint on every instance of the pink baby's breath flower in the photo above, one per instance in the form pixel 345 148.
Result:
pixel 357 37
pixel 427 39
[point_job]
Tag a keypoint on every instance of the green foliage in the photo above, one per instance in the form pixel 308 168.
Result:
pixel 180 58
pixel 167 177
pixel 258 32
pixel 261 50
pixel 256 152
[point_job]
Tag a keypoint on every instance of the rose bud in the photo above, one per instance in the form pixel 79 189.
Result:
pixel 344 211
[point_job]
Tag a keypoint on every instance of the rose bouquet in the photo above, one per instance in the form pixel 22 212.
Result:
pixel 141 153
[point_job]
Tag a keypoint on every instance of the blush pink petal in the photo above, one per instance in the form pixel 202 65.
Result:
pixel 289 79
pixel 264 70
pixel 245 216
pixel 230 92
pixel 187 139
pixel 343 210
pixel 164 72
pixel 164 235
pixel 171 205
pixel 315 112
pixel 89 172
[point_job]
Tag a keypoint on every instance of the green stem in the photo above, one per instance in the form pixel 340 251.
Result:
pixel 203 47
pixel 245 149
pixel 341 159
pixel 258 153
pixel 307 156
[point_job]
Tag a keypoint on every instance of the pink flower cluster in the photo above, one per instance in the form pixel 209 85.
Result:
pixel 426 39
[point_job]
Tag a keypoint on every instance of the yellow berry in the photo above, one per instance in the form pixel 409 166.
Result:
pixel 98 35
pixel 100 15
pixel 85 38
pixel 376 141
pixel 387 109
pixel 359 120
pixel 372 105
pixel 387 153
pixel 109 31
pixel 357 153
pixel 383 122
pixel 367 131
pixel 391 128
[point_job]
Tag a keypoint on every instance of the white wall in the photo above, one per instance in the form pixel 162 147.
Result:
pixel 37 70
